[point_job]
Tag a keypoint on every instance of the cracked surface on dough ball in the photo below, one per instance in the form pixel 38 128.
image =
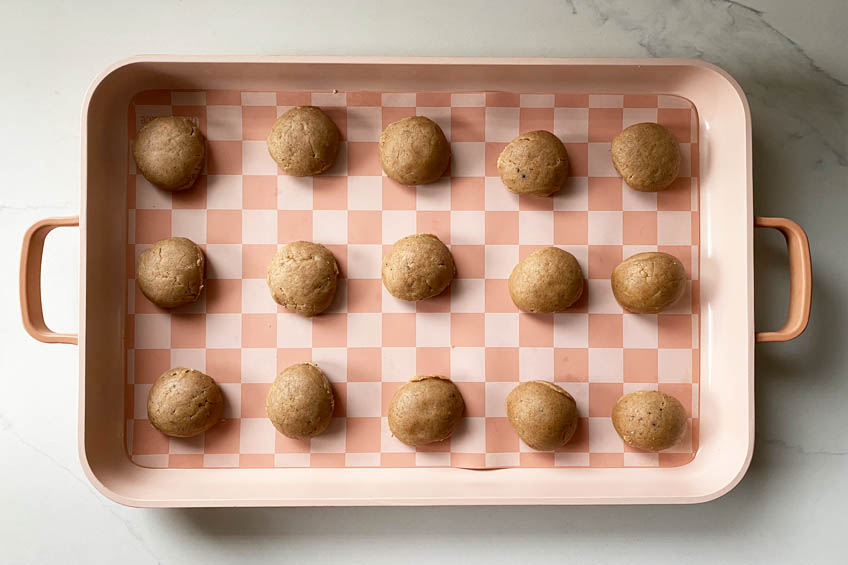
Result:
pixel 171 273
pixel 303 277
pixel 647 156
pixel 169 152
pixel 414 150
pixel 543 414
pixel 649 420
pixel 304 141
pixel 419 266
pixel 534 163
pixel 300 402
pixel 184 403
pixel 648 283
pixel 425 410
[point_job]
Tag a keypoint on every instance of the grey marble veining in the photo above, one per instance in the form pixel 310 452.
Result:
pixel 788 57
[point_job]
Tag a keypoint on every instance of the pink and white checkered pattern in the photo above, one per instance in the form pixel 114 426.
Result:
pixel 369 343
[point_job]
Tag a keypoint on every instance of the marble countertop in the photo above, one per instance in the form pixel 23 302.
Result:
pixel 786 56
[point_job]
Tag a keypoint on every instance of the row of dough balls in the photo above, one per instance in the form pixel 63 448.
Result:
pixel 304 141
pixel 185 402
pixel 303 276
pixel 169 152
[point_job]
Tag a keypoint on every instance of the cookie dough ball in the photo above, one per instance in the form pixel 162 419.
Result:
pixel 184 403
pixel 304 141
pixel 543 415
pixel 647 156
pixel 649 420
pixel 414 150
pixel 303 277
pixel 171 272
pixel 169 152
pixel 647 283
pixel 419 266
pixel 534 163
pixel 425 410
pixel 300 402
pixel 547 280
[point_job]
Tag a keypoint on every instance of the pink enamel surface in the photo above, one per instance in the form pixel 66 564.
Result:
pixel 723 370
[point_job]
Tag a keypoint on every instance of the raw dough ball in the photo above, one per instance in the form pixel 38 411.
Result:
pixel 184 403
pixel 534 163
pixel 304 141
pixel 169 152
pixel 649 420
pixel 414 150
pixel 171 272
pixel 547 280
pixel 300 402
pixel 543 414
pixel 425 410
pixel 303 277
pixel 647 156
pixel 647 283
pixel 419 266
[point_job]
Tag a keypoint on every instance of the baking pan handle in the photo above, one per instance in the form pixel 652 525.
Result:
pixel 800 279
pixel 33 249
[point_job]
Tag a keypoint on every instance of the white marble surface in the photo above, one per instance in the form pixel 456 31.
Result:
pixel 788 56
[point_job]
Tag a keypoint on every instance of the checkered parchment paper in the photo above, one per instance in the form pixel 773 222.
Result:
pixel 369 343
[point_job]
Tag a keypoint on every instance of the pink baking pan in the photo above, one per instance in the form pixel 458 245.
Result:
pixel 725 302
